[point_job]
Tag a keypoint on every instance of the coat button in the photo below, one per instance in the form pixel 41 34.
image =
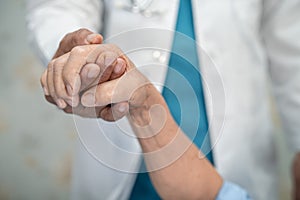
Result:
pixel 159 56
pixel 156 55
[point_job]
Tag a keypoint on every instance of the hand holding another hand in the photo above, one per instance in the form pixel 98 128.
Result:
pixel 95 73
pixel 99 81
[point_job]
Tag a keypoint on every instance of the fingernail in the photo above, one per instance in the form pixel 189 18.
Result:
pixel 46 91
pixel 69 101
pixel 93 71
pixel 90 38
pixel 122 108
pixel 119 66
pixel 70 90
pixel 88 99
pixel 61 103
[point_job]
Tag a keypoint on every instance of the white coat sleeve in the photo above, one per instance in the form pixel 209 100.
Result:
pixel 48 21
pixel 281 35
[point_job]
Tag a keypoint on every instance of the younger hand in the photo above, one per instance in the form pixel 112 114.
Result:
pixel 77 38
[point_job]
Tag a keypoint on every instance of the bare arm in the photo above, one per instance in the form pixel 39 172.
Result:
pixel 177 167
pixel 169 153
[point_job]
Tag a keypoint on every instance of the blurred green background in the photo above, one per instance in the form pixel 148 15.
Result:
pixel 36 140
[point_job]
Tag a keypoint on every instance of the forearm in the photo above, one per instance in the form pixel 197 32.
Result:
pixel 176 166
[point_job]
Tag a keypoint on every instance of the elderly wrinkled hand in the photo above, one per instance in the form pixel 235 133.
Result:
pixel 96 74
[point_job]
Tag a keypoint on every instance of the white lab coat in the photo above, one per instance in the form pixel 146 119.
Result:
pixel 251 43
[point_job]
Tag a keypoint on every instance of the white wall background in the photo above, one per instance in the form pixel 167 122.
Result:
pixel 36 140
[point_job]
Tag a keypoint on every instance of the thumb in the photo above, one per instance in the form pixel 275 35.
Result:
pixel 94 38
pixel 129 87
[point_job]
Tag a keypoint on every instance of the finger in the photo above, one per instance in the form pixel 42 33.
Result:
pixel 77 59
pixel 119 69
pixel 44 84
pixel 106 61
pixel 80 37
pixel 100 95
pixel 94 55
pixel 50 81
pixel 50 84
pixel 91 73
pixel 104 67
pixel 86 112
pixel 81 55
pixel 114 112
pixel 68 110
pixel 59 86
pixel 88 75
pixel 125 88
pixel 94 38
pixel 50 100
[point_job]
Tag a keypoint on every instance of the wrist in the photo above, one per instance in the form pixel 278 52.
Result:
pixel 140 114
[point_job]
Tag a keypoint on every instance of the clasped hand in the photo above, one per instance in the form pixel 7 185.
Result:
pixel 95 80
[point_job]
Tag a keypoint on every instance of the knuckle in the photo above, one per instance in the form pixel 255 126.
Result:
pixel 56 70
pixel 58 63
pixel 79 36
pixel 107 58
pixel 112 54
pixel 62 95
pixel 56 67
pixel 114 47
pixel 76 40
pixel 109 95
pixel 50 65
pixel 83 32
pixel 77 50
